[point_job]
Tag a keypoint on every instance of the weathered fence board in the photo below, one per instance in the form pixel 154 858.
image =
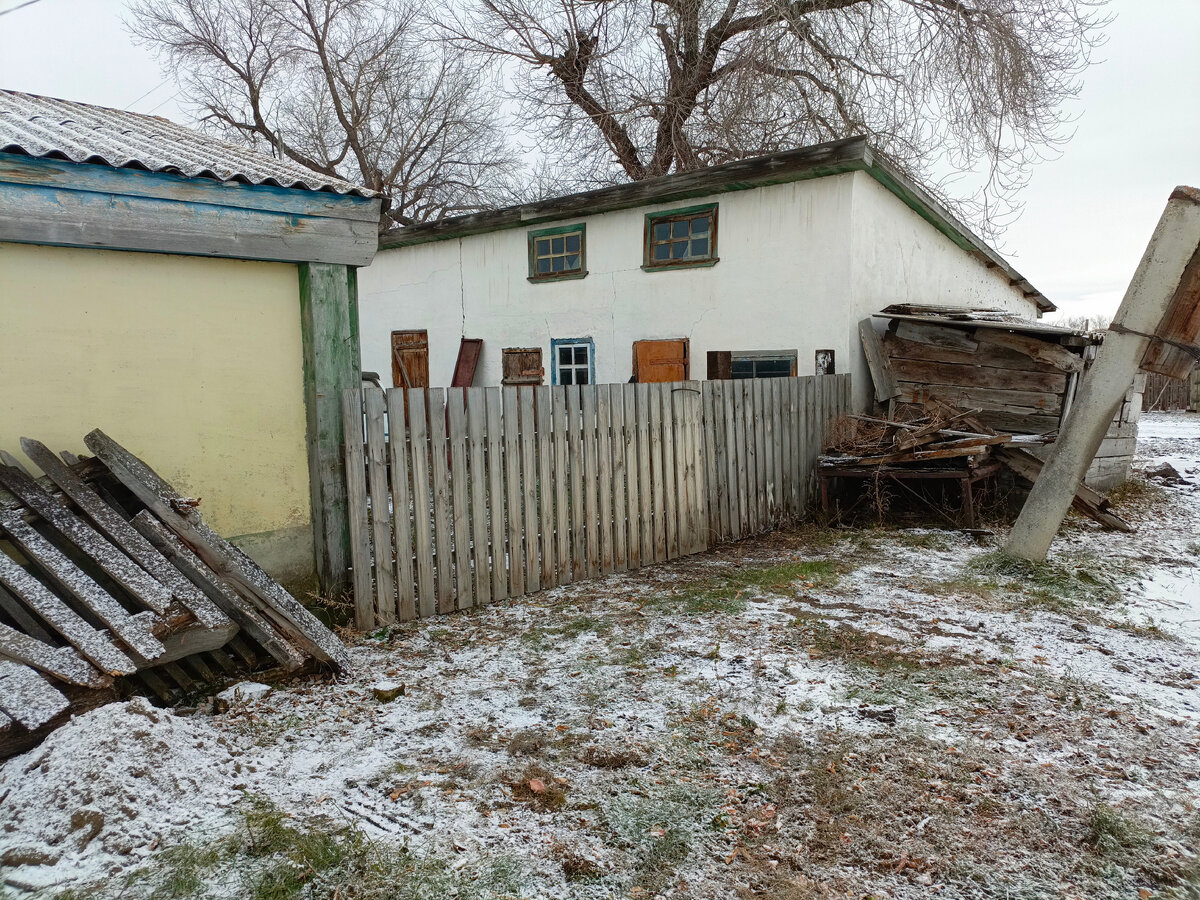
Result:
pixel 479 494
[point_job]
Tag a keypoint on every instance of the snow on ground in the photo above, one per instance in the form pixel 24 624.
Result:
pixel 819 713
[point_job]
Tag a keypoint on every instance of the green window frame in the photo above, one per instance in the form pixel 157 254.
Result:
pixel 680 238
pixel 558 254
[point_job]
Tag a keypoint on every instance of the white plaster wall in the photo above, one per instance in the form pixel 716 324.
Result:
pixel 782 283
pixel 898 257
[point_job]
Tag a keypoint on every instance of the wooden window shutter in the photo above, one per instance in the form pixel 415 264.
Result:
pixel 660 361
pixel 410 358
pixel 720 364
pixel 522 365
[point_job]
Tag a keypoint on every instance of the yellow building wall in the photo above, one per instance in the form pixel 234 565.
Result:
pixel 193 364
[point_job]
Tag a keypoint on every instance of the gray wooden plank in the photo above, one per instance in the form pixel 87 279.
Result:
pixel 477 452
pixel 381 507
pixel 658 547
pixel 63 663
pixel 356 502
pixel 672 478
pixel 128 574
pixel 708 398
pixel 882 377
pixel 575 454
pixel 762 517
pixel 562 483
pixel 785 448
pixel 111 523
pixel 616 401
pixel 513 498
pixel 588 396
pixel 27 697
pixel 770 422
pixel 498 564
pixel 24 619
pixel 460 495
pixel 697 495
pixel 231 604
pixel 439 464
pixel 633 511
pixel 248 578
pixel 777 422
pixel 529 488
pixel 418 429
pixel 731 514
pixel 402 509
pixel 747 487
pixel 93 645
pixel 604 475
pixel 546 486
pixel 135 631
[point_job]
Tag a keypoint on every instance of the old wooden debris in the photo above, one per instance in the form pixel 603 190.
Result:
pixel 26 697
pixel 61 662
pixel 1091 503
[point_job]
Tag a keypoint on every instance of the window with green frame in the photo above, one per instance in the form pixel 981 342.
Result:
pixel 678 238
pixel 558 253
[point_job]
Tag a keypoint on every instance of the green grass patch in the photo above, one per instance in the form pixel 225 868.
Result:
pixel 728 593
pixel 1059 587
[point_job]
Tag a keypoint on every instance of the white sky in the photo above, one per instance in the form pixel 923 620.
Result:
pixel 1088 214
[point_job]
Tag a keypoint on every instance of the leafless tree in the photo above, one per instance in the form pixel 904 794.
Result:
pixel 941 87
pixel 349 88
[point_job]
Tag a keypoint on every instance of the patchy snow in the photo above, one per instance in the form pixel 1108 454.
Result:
pixel 897 716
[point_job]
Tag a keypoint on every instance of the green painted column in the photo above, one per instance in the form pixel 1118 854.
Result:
pixel 329 327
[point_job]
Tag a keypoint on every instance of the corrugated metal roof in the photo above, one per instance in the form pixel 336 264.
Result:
pixel 61 129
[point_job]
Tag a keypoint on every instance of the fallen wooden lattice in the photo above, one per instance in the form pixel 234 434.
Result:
pixel 111 583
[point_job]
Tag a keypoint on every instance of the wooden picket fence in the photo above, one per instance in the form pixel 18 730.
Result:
pixel 474 495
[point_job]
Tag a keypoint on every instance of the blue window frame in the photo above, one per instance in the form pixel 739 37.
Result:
pixel 573 361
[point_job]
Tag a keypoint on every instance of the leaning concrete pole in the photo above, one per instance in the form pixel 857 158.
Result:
pixel 1168 272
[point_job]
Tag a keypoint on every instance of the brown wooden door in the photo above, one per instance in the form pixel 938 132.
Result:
pixel 659 361
pixel 410 358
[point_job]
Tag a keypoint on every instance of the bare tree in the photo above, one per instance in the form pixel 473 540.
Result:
pixel 349 88
pixel 656 86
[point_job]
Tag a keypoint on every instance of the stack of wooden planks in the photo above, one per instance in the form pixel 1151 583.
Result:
pixel 111 584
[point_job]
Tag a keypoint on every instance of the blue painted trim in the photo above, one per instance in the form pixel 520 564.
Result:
pixel 555 343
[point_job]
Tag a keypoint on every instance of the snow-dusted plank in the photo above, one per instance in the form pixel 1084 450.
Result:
pixel 113 524
pixel 230 563
pixel 27 697
pixel 232 605
pixel 61 662
pixel 402 525
pixel 136 580
pixel 27 622
pixel 133 630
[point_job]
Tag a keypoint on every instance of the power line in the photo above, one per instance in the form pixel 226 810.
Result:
pixel 5 12
pixel 149 92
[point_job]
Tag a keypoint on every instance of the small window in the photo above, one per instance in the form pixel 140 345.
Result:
pixel 558 253
pixel 778 364
pixel 680 238
pixel 574 361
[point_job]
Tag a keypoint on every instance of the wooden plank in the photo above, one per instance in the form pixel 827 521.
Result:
pixel 496 505
pixel 937 335
pixel 469 350
pixel 130 576
pixel 759 418
pixel 604 474
pixel 61 662
pixel 1053 354
pixel 1020 402
pixel 796 454
pixel 418 424
pixel 633 506
pixel 935 373
pixel 771 419
pixel 711 461
pixel 882 377
pixel 588 396
pixel 671 476
pixel 19 614
pixel 987 355
pixel 248 578
pixel 575 454
pixel 658 549
pixel 812 439
pixel 402 507
pixel 381 512
pixel 356 499
pixel 92 645
pixel 1088 501
pixel 744 434
pixel 220 594
pixel 513 498
pixel 544 439
pixel 785 448
pixel 562 484
pixel 134 631
pixel 443 554
pixel 26 697
pixel 477 447
pixel 616 399
pixel 529 489
pixel 645 468
pixel 112 524
pixel 460 496
pixel 697 505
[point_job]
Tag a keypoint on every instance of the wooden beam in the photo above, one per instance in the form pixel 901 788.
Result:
pixel 61 662
pixel 877 361
pixel 26 696
pixel 329 329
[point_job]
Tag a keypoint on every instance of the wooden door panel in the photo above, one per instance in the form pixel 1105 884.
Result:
pixel 410 358
pixel 660 361
pixel 522 365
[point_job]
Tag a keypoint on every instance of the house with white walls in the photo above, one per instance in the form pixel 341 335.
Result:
pixel 757 268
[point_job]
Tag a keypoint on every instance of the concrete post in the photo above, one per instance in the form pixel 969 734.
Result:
pixel 1169 263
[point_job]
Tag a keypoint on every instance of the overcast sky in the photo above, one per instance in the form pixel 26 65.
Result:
pixel 1088 215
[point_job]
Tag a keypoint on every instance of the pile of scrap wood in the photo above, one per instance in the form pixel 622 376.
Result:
pixel 111 584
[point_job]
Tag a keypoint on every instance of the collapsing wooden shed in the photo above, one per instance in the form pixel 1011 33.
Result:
pixel 1021 375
